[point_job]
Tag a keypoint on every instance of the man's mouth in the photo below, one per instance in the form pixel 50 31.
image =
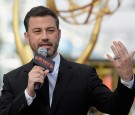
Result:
pixel 45 45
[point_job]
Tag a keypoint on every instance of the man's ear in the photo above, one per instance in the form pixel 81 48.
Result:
pixel 26 35
pixel 59 33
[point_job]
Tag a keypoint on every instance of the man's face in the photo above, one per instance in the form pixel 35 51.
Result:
pixel 43 32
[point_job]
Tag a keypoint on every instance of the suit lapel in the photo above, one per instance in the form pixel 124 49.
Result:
pixel 64 76
pixel 24 75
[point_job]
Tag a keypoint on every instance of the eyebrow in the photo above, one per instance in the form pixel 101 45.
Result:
pixel 51 28
pixel 46 28
pixel 36 28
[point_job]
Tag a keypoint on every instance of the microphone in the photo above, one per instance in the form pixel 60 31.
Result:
pixel 40 59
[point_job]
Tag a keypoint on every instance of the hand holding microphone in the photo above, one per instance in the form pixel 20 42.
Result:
pixel 41 60
pixel 36 79
pixel 43 66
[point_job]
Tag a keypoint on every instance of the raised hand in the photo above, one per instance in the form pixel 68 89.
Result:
pixel 122 60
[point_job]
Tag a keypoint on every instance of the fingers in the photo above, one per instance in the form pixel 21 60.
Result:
pixel 122 61
pixel 38 71
pixel 119 50
pixel 46 72
pixel 116 49
pixel 37 74
pixel 109 57
pixel 123 50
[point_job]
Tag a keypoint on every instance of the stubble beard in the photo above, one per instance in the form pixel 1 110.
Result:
pixel 53 53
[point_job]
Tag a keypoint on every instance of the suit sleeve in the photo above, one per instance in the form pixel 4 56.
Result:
pixel 118 102
pixel 9 103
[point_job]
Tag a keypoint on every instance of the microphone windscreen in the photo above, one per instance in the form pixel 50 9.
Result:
pixel 40 59
pixel 42 51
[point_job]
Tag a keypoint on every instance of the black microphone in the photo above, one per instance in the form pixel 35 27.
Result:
pixel 40 59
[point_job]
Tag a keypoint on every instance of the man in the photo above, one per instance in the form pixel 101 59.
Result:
pixel 73 88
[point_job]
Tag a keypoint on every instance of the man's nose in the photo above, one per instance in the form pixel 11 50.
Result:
pixel 44 35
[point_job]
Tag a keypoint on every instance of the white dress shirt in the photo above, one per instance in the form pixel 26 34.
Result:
pixel 128 84
pixel 52 77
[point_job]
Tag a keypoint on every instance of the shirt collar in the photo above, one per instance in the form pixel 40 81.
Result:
pixel 56 59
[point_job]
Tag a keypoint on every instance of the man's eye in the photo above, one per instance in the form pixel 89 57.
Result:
pixel 50 31
pixel 37 31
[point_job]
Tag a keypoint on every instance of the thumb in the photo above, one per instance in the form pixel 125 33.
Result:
pixel 46 72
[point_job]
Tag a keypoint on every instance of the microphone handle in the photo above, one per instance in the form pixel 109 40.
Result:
pixel 37 86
